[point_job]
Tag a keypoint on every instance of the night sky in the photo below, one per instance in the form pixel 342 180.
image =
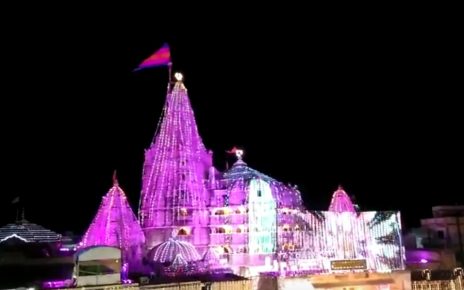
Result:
pixel 372 104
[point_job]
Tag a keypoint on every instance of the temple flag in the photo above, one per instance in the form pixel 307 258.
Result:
pixel 160 58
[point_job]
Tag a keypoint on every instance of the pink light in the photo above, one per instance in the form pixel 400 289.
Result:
pixel 182 193
pixel 56 284
pixel 424 261
pixel 116 225
pixel 176 164
pixel 341 202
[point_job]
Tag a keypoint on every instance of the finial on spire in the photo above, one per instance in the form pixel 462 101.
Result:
pixel 238 152
pixel 115 178
pixel 340 187
pixel 178 76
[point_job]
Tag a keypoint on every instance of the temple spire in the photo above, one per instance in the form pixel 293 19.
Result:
pixel 116 225
pixel 176 165
pixel 341 202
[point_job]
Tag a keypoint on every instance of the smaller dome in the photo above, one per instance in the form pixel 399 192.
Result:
pixel 168 251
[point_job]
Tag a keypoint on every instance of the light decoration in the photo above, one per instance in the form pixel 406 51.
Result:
pixel 341 202
pixel 57 284
pixel 180 188
pixel 261 218
pixel 211 258
pixel 28 232
pixel 250 203
pixel 176 165
pixel 166 252
pixel 239 176
pixel 179 77
pixel 116 225
pixel 12 237
pixel 370 236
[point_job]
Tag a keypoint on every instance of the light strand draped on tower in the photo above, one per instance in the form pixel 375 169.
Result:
pixel 175 167
pixel 341 202
pixel 116 225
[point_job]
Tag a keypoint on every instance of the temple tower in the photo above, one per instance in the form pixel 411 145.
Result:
pixel 116 225
pixel 174 198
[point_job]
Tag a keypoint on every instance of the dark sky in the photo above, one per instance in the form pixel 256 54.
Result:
pixel 372 103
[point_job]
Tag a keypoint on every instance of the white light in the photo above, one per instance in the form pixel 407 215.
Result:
pixel 14 236
pixel 178 76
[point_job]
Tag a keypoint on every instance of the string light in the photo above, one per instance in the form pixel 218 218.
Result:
pixel 28 232
pixel 176 165
pixel 168 251
pixel 116 225
pixel 246 211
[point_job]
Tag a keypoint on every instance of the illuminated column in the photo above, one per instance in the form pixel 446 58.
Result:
pixel 261 218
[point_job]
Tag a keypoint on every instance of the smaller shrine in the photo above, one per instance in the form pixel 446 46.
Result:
pixel 116 225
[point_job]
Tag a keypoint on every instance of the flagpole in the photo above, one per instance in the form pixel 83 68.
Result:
pixel 170 75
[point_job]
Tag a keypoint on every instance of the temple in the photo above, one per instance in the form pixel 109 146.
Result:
pixel 245 219
pixel 174 196
pixel 116 225
pixel 193 218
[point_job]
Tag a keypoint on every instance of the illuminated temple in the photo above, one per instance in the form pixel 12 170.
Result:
pixel 192 214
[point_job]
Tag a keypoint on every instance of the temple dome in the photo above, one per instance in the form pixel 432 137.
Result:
pixel 168 251
pixel 240 175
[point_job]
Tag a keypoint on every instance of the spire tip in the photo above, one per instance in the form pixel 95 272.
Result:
pixel 178 76
pixel 115 178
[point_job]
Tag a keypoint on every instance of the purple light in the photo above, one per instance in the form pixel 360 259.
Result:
pixel 116 225
pixel 341 202
pixel 176 164
pixel 424 261
pixel 241 212
pixel 172 249
pixel 57 284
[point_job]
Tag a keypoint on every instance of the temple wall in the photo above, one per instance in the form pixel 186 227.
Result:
pixel 400 280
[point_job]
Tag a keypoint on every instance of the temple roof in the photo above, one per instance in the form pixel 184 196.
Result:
pixel 240 174
pixel 115 224
pixel 28 232
pixel 168 251
pixel 341 202
pixel 240 170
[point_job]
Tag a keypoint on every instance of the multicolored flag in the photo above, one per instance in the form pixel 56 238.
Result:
pixel 233 150
pixel 161 57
